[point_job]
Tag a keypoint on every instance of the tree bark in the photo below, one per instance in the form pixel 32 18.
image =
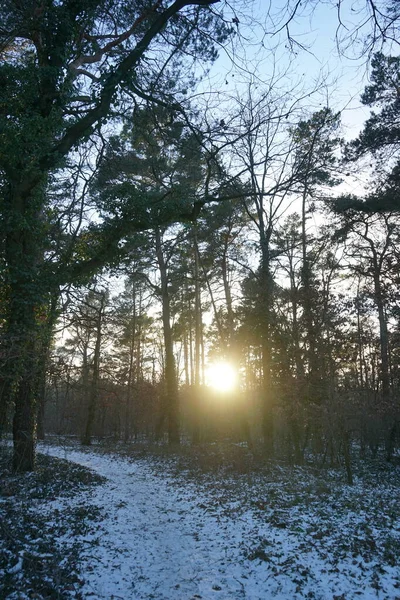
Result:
pixel 172 401
pixel 266 296
pixel 91 411
pixel 44 354
pixel 198 340
pixel 25 200
pixel 25 313
pixel 128 412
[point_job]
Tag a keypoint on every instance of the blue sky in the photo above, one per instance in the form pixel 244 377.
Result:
pixel 260 53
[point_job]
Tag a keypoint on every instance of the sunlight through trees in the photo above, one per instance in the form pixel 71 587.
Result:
pixel 168 236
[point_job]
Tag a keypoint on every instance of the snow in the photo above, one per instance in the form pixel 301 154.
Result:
pixel 166 537
pixel 17 567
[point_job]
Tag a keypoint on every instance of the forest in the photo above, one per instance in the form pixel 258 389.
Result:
pixel 182 263
pixel 199 299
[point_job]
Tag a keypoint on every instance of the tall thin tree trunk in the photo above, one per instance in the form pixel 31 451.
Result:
pixel 172 408
pixel 266 295
pixel 360 343
pixel 128 413
pixel 295 415
pixel 383 339
pixel 227 292
pixel 6 386
pixel 306 276
pixel 197 348
pixel 91 411
pixel 186 357
pixel 139 357
pixel 191 357
pixel 43 360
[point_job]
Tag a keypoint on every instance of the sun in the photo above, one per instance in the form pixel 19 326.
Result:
pixel 221 376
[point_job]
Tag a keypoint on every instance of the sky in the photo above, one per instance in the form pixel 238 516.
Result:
pixel 319 59
pixel 257 53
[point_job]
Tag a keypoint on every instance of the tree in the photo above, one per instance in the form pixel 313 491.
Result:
pixel 223 232
pixel 160 167
pixel 133 327
pixel 95 311
pixel 288 241
pixel 76 58
pixel 360 30
pixel 264 154
pixel 373 245
pixel 86 314
pixel 379 139
pixel 315 164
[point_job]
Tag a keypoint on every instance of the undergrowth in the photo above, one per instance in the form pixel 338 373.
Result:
pixel 32 517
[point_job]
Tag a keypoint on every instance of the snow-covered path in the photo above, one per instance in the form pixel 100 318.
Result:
pixel 163 537
pixel 156 541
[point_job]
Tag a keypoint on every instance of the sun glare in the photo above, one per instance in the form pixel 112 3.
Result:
pixel 221 376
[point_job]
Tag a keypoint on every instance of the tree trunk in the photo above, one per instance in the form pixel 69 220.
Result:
pixel 25 379
pixel 197 347
pixel 306 279
pixel 227 292
pixel 43 360
pixel 128 412
pixel 24 422
pixel 191 358
pixel 91 412
pixel 383 338
pixel 347 457
pixel 186 357
pixel 297 398
pixel 172 407
pixel 26 295
pixel 266 296
pixel 360 343
pixel 139 358
pixel 5 394
pixel 267 416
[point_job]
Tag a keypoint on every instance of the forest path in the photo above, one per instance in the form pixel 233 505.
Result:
pixel 170 532
pixel 155 539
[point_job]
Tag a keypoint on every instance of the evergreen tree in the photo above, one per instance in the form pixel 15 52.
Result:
pixel 65 68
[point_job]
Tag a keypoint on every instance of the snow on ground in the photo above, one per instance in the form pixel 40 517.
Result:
pixel 166 536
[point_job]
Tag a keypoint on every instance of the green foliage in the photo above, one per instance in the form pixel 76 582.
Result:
pixel 58 64
pixel 153 172
pixel 381 133
pixel 65 70
pixel 316 141
pixel 380 138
